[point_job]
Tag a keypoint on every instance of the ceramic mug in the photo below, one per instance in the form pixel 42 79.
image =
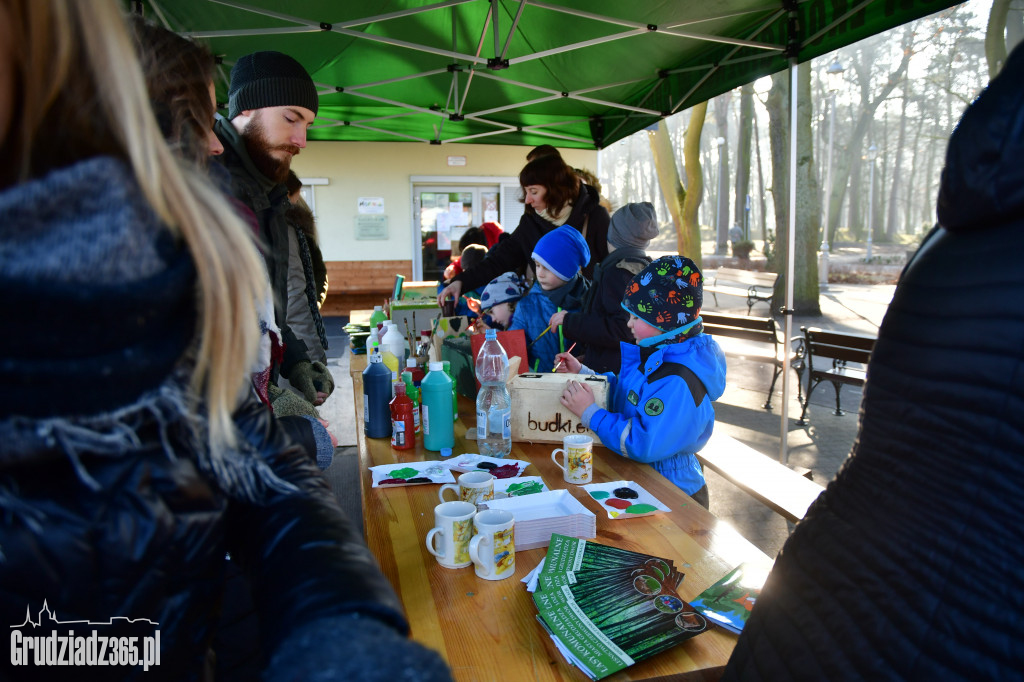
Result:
pixel 493 548
pixel 453 523
pixel 474 486
pixel 579 458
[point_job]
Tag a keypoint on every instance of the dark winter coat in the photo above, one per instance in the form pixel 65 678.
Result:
pixel 601 325
pixel 516 252
pixel 269 202
pixel 111 504
pixel 910 564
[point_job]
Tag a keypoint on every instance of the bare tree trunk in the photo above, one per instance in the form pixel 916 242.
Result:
pixel 761 189
pixel 909 226
pixel 694 183
pixel 855 221
pixel 897 167
pixel 743 142
pixel 808 203
pixel 722 194
pixel 995 44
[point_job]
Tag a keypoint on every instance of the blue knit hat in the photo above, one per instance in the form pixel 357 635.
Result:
pixel 504 288
pixel 563 251
pixel 667 294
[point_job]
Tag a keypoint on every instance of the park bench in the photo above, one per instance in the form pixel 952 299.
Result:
pixel 841 348
pixel 785 491
pixel 757 339
pixel 752 285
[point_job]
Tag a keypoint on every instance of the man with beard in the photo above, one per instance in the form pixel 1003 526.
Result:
pixel 271 103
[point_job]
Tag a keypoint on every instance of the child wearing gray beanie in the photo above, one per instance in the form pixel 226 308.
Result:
pixel 601 324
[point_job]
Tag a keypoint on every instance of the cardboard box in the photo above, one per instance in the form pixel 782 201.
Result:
pixel 538 415
pixel 447 327
pixel 414 293
pixel 412 318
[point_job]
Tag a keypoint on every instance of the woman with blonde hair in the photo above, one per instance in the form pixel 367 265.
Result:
pixel 131 458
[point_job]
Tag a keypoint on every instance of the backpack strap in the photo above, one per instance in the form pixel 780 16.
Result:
pixel 696 386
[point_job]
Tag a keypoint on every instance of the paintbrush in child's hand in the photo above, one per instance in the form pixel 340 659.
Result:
pixel 546 330
pixel 559 363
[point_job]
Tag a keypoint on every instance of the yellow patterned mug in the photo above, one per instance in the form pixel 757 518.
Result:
pixel 579 458
pixel 493 548
pixel 473 486
pixel 453 526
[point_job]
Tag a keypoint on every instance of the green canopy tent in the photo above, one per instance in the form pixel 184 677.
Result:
pixel 528 72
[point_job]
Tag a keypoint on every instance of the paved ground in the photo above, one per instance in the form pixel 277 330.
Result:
pixel 822 445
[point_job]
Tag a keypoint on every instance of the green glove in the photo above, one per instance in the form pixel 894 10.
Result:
pixel 311 377
pixel 287 404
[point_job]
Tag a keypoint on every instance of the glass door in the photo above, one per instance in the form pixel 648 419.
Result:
pixel 444 213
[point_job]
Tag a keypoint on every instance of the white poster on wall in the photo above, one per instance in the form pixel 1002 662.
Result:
pixel 371 205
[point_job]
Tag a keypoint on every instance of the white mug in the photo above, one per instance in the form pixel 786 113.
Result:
pixel 474 486
pixel 579 458
pixel 493 548
pixel 453 522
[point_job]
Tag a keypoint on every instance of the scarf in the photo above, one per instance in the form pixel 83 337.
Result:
pixel 559 218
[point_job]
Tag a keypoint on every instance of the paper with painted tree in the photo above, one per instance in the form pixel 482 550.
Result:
pixel 607 608
pixel 729 601
pixel 410 473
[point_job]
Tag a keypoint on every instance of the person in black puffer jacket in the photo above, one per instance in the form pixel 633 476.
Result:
pixel 130 459
pixel 910 564
pixel 554 196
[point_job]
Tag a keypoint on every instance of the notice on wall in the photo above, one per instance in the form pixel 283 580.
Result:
pixel 457 215
pixel 371 227
pixel 371 205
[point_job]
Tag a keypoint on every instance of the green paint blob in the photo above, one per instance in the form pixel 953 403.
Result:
pixel 599 494
pixel 641 509
pixel 528 488
pixel 405 472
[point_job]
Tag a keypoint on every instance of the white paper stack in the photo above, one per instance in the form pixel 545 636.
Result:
pixel 538 516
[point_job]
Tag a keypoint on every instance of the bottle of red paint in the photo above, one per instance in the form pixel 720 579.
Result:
pixel 403 428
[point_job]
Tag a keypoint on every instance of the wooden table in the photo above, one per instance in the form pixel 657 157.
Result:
pixel 488 630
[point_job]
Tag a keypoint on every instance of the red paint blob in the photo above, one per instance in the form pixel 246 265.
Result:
pixel 507 471
pixel 619 504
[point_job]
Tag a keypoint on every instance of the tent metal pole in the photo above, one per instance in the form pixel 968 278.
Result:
pixel 716 39
pixel 838 21
pixel 479 49
pixel 516 105
pixel 578 46
pixel 512 31
pixel 389 81
pixel 787 317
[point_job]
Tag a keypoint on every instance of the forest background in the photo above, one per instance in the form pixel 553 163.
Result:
pixel 888 104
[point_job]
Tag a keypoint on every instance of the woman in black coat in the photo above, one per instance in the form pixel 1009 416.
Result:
pixel 554 196
pixel 910 564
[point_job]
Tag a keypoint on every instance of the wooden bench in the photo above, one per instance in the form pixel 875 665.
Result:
pixel 352 285
pixel 841 348
pixel 784 490
pixel 757 339
pixel 754 286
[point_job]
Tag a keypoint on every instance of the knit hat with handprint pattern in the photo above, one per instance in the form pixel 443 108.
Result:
pixel 667 294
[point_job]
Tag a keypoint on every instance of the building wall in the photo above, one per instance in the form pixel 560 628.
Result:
pixel 384 169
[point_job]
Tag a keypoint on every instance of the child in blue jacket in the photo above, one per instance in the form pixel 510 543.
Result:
pixel 558 260
pixel 659 408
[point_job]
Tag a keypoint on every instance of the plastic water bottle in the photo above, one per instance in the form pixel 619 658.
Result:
pixel 493 401
pixel 436 408
pixel 376 399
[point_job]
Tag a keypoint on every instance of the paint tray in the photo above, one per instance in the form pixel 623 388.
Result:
pixel 538 516
pixel 624 499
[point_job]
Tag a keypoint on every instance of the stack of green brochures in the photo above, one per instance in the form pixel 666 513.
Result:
pixel 606 608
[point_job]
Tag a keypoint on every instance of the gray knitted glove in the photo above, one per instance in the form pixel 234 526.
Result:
pixel 287 404
pixel 311 377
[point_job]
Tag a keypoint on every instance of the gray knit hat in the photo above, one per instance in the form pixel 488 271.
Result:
pixel 633 225
pixel 270 79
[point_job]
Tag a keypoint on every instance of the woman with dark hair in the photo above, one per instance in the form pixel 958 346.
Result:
pixel 554 196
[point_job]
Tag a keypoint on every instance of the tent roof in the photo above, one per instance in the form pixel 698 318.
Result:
pixel 572 73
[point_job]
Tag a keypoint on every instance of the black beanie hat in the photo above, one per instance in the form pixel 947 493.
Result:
pixel 269 79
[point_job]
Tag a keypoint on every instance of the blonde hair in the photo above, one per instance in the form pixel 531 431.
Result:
pixel 82 94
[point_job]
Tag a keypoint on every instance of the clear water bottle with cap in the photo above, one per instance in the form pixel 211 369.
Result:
pixel 493 401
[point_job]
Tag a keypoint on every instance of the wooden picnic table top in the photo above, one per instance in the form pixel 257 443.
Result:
pixel 487 630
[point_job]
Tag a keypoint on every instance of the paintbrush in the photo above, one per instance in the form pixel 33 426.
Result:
pixel 546 330
pixel 559 363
